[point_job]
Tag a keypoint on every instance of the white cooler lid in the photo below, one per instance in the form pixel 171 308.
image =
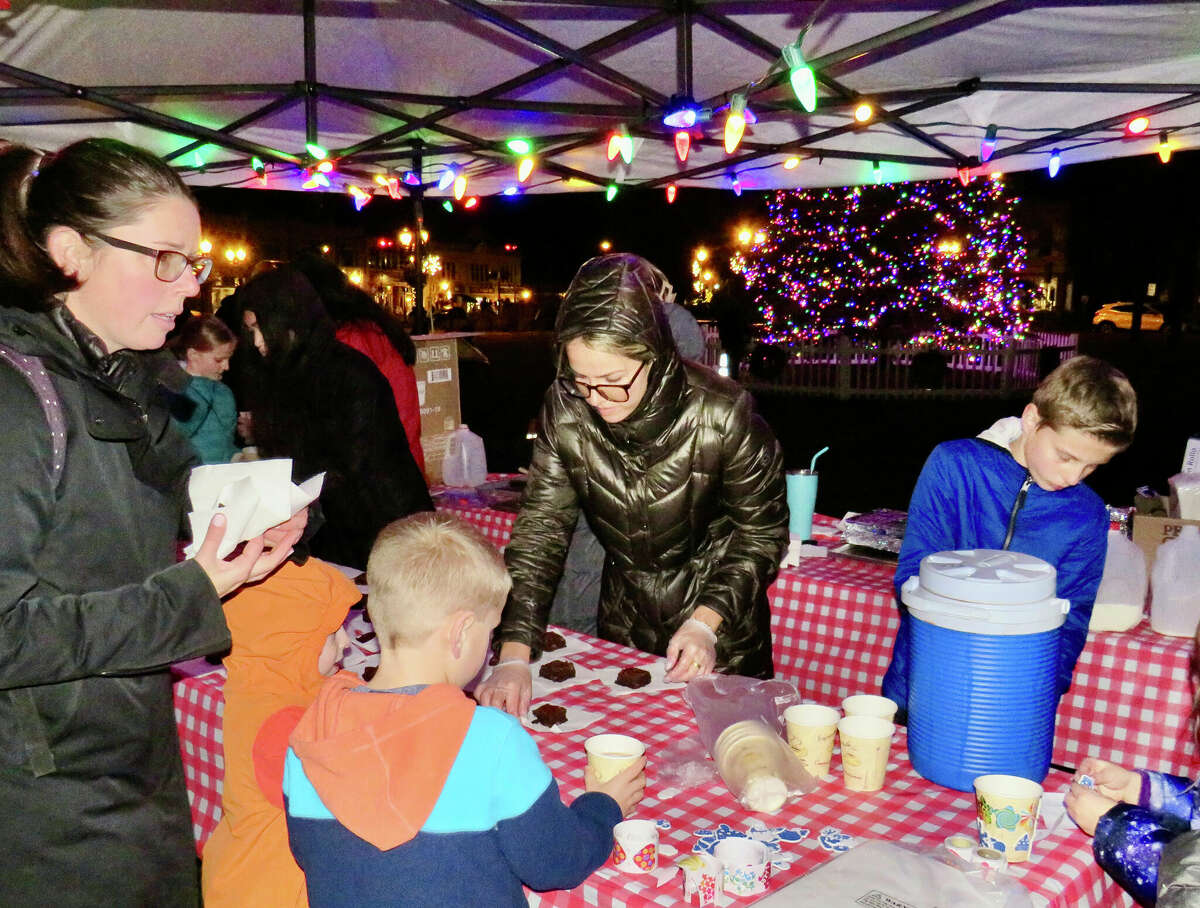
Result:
pixel 990 576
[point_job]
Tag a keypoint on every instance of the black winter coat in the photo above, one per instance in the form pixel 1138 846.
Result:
pixel 93 608
pixel 686 494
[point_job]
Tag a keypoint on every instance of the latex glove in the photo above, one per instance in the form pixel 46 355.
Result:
pixel 509 687
pixel 692 651
pixel 1086 806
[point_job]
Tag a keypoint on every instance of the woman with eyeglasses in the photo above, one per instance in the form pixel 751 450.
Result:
pixel 97 256
pixel 680 480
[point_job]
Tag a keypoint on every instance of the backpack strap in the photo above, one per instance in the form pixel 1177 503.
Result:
pixel 35 373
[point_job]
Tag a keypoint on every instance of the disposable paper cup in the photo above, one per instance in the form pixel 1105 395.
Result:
pixel 702 879
pixel 866 744
pixel 635 846
pixel 746 866
pixel 609 754
pixel 870 705
pixel 811 729
pixel 1007 807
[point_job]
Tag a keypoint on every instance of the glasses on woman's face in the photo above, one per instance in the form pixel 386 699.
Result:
pixel 617 394
pixel 169 264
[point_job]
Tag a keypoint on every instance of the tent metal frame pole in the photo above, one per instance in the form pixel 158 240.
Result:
pixel 252 117
pixel 145 116
pixel 412 124
pixel 418 197
pixel 311 131
pixel 1051 140
pixel 545 42
pixel 683 53
pixel 157 91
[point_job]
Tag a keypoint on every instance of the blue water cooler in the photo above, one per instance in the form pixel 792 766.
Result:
pixel 983 665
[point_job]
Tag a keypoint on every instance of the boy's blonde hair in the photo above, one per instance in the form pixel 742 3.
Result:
pixel 1092 396
pixel 425 566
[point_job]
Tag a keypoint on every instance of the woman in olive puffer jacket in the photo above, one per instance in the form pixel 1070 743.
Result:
pixel 680 480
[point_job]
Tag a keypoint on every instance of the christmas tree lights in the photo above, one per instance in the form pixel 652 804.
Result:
pixel 934 263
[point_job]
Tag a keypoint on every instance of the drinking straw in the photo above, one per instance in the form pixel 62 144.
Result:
pixel 813 466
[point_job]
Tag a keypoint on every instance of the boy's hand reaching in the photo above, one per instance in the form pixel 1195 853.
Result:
pixel 626 787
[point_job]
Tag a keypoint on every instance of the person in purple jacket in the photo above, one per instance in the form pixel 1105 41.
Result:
pixel 1018 486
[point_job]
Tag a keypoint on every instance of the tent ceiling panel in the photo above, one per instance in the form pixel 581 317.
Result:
pixel 450 80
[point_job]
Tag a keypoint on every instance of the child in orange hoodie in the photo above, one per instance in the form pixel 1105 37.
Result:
pixel 401 791
pixel 287 637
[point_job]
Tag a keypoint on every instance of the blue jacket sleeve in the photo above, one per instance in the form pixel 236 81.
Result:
pixel 1079 573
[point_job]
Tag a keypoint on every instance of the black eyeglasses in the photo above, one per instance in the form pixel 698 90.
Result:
pixel 169 264
pixel 617 394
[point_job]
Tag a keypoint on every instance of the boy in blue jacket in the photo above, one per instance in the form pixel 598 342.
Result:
pixel 1018 486
pixel 401 791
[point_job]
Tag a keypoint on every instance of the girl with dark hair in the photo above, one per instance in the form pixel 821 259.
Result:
pixel 97 255
pixel 375 333
pixel 203 346
pixel 328 408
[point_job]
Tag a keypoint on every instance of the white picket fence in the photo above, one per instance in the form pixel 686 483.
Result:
pixel 844 370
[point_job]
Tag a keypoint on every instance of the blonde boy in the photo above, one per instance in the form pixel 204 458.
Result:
pixel 1018 486
pixel 402 791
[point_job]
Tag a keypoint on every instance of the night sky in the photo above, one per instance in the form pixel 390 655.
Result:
pixel 1131 221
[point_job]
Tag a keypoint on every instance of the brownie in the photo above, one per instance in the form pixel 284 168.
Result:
pixel 558 670
pixel 552 641
pixel 549 714
pixel 633 677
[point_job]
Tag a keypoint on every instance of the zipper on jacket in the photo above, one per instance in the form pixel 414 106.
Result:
pixel 1012 517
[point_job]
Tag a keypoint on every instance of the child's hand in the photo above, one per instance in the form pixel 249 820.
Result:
pixel 626 787
pixel 1085 806
pixel 1113 781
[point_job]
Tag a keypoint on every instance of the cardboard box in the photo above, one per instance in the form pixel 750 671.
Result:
pixel 438 393
pixel 1151 532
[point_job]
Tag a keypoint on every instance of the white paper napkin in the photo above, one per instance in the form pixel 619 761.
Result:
pixel 254 496
pixel 542 687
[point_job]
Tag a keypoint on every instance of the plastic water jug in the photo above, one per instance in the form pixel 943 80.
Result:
pixel 983 684
pixel 1122 595
pixel 1175 585
pixel 465 464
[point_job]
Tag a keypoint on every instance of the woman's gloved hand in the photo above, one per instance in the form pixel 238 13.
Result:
pixel 692 651
pixel 509 687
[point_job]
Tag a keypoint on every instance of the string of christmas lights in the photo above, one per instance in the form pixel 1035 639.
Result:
pixel 934 263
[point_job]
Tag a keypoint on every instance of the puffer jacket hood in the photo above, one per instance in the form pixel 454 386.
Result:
pixel 619 297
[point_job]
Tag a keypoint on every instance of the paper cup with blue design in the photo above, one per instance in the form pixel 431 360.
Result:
pixel 746 865
pixel 1008 807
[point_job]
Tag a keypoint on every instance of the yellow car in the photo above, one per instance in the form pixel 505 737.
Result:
pixel 1120 315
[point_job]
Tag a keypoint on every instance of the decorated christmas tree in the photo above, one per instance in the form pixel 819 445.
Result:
pixel 934 263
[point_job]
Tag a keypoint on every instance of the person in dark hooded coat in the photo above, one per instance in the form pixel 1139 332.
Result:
pixel 680 480
pixel 328 408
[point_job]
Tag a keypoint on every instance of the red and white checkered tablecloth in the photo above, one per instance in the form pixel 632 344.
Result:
pixel 908 809
pixel 833 621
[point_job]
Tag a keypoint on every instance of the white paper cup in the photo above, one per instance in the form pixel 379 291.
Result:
pixel 635 846
pixel 1008 808
pixel 609 754
pixel 746 866
pixel 870 705
pixel 866 745
pixel 702 879
pixel 811 729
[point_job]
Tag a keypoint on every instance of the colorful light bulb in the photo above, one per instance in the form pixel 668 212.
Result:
pixel 460 187
pixel 610 192
pixel 1054 164
pixel 987 145
pixel 735 123
pixel 800 74
pixel 683 144
pixel 672 190
pixel 524 169
pixel 1164 148
pixel 519 145
pixel 1137 126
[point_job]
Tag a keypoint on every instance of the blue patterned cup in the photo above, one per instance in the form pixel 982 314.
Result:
pixel 747 866
pixel 1008 808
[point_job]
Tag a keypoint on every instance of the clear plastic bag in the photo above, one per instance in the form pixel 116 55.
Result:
pixel 740 721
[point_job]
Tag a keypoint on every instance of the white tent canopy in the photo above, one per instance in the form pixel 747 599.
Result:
pixel 400 85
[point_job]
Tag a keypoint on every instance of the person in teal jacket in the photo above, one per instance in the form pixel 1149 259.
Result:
pixel 208 417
